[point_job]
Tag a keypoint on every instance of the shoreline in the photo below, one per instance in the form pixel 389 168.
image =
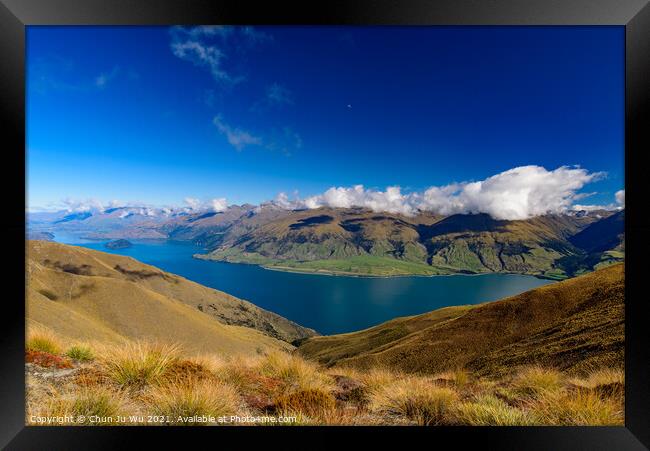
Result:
pixel 324 272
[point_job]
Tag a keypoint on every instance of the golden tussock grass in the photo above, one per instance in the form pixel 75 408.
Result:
pixel 488 410
pixel 180 401
pixel 294 373
pixel 578 408
pixel 417 399
pixel 97 404
pixel 42 339
pixel 153 379
pixel 534 381
pixel 136 365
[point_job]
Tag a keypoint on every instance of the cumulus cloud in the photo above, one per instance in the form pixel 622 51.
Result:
pixel 518 193
pixel 219 204
pixel 237 137
pixel 82 205
pixel 194 205
pixel 619 204
pixel 620 198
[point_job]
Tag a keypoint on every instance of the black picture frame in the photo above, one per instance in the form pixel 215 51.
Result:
pixel 634 15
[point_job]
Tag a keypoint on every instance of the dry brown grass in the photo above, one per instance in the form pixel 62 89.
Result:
pixel 488 410
pixel 182 402
pixel 534 381
pixel 150 379
pixel 97 405
pixel 135 365
pixel 417 399
pixel 42 339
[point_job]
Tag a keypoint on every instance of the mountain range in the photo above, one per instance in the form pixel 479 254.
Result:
pixel 357 241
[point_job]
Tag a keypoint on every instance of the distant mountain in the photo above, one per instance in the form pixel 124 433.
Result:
pixel 361 242
pixel 572 325
pixel 90 295
pixel 353 241
pixel 603 235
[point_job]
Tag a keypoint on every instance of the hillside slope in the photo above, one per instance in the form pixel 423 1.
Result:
pixel 571 325
pixel 87 294
pixel 362 242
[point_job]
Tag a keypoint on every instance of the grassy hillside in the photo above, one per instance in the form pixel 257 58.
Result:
pixel 571 325
pixel 91 295
pixel 354 241
pixel 145 384
pixel 113 341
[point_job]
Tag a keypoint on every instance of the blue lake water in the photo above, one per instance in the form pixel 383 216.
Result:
pixel 328 304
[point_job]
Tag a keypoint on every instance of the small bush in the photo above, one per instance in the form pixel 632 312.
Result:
pixel 80 353
pixel 312 403
pixel 488 410
pixel 417 400
pixel 181 371
pixel 139 364
pixel 47 360
pixel 179 401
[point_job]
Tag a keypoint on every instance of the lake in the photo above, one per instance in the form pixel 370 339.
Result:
pixel 328 304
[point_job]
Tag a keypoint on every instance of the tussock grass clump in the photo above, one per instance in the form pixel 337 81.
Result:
pixel 294 373
pixel 43 340
pixel 416 399
pixel 377 379
pixel 99 405
pixel 579 408
pixel 606 382
pixel 458 377
pixel 182 401
pixel 312 403
pixel 136 365
pixel 488 410
pixel 534 381
pixel 80 353
pixel 98 401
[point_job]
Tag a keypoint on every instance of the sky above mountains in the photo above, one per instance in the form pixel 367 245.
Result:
pixel 511 121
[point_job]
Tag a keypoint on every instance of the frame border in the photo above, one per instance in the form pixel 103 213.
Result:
pixel 634 15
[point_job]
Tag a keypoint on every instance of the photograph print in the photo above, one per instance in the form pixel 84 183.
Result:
pixel 325 225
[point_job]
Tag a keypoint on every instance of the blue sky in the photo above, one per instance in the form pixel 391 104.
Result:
pixel 159 114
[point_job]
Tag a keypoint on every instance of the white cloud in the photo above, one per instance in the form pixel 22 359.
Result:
pixel 82 205
pixel 518 193
pixel 620 198
pixel 237 137
pixel 192 203
pixel 202 55
pixel 195 205
pixel 209 46
pixel 219 204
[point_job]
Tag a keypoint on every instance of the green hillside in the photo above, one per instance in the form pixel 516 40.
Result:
pixel 359 242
